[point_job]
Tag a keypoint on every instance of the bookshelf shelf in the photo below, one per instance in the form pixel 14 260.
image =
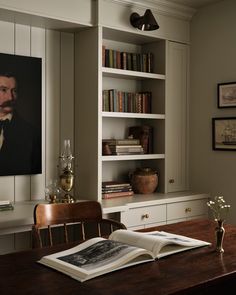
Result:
pixel 133 157
pixel 111 72
pixel 133 115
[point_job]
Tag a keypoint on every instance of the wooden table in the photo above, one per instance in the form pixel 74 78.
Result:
pixel 197 271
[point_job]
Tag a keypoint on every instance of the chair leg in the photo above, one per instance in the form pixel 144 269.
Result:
pixel 82 231
pixel 65 233
pixel 50 235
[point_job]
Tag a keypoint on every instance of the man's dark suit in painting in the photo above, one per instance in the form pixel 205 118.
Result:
pixel 21 149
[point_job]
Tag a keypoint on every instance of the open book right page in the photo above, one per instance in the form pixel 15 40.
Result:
pixel 160 243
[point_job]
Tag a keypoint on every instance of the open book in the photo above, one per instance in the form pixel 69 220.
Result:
pixel 123 248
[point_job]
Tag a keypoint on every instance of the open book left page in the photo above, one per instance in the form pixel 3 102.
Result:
pixel 95 257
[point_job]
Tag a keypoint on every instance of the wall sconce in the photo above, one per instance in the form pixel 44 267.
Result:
pixel 146 22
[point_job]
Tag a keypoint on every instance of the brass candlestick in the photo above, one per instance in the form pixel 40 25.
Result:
pixel 52 192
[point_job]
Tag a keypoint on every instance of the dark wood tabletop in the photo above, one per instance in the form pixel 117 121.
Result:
pixel 197 271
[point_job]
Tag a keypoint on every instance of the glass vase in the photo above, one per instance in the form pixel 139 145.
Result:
pixel 220 232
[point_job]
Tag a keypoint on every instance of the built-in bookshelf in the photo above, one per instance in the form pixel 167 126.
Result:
pixel 147 87
pixel 166 117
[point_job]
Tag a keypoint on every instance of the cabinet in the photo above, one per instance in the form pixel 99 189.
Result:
pixel 177 117
pixel 167 208
pixel 168 118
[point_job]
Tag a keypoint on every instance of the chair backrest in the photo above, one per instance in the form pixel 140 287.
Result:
pixel 81 220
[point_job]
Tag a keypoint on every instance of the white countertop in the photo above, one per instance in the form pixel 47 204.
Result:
pixel 21 218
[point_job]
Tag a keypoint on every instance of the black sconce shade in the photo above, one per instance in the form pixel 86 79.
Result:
pixel 146 22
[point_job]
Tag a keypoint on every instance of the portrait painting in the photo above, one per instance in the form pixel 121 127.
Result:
pixel 20 115
pixel 227 95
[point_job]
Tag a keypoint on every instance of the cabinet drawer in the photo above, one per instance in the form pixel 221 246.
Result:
pixel 144 215
pixel 186 209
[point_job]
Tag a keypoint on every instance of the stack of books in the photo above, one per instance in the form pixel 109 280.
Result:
pixel 115 189
pixel 124 146
pixel 6 205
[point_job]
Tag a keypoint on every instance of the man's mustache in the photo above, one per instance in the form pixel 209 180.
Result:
pixel 7 104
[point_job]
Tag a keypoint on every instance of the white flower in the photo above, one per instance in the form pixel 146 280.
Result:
pixel 218 207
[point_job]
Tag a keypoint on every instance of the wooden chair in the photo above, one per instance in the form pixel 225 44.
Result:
pixel 75 222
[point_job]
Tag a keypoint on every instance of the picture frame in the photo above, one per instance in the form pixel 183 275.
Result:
pixel 226 95
pixel 224 133
pixel 21 106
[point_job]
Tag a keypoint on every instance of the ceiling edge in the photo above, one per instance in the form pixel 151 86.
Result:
pixel 163 7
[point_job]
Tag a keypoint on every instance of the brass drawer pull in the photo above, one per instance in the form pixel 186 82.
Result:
pixel 171 180
pixel 187 210
pixel 145 216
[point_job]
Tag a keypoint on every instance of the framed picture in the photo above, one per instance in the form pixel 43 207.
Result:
pixel 224 133
pixel 227 95
pixel 20 115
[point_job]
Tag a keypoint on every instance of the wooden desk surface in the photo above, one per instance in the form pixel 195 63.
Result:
pixel 197 271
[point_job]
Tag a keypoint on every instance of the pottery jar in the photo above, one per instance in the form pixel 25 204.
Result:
pixel 144 180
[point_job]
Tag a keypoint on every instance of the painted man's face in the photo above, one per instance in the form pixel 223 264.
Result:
pixel 8 94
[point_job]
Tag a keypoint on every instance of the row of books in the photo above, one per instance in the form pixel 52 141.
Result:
pixel 142 62
pixel 6 205
pixel 115 189
pixel 131 102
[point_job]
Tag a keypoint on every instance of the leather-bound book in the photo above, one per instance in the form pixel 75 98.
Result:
pixel 144 133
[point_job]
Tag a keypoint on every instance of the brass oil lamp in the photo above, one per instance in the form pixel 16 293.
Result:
pixel 66 175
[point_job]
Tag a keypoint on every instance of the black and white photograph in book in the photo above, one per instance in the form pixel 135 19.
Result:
pixel 20 115
pixel 98 254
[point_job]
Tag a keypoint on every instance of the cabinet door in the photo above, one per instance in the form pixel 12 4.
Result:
pixel 176 117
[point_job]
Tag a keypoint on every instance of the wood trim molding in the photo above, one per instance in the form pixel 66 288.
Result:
pixel 162 7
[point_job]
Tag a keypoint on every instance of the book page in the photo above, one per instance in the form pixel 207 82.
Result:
pixel 146 241
pixel 95 257
pixel 156 240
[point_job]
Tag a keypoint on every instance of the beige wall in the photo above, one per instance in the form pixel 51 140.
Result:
pixel 213 60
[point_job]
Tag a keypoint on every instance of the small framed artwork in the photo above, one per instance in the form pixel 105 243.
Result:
pixel 227 95
pixel 224 133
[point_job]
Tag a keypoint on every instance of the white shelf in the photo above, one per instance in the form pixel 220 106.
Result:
pixel 111 72
pixel 133 157
pixel 133 115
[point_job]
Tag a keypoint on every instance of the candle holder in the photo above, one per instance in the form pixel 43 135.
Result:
pixel 66 175
pixel 52 192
